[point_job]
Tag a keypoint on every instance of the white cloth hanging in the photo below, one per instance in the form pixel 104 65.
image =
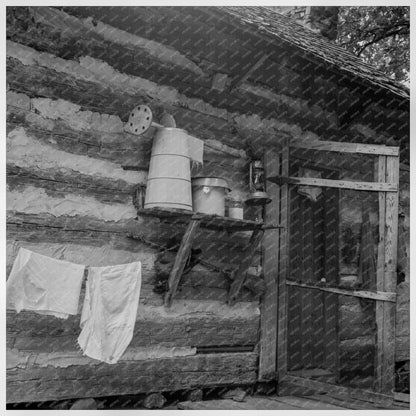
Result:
pixel 109 311
pixel 45 285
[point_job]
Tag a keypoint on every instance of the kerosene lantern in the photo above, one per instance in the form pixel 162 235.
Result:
pixel 258 195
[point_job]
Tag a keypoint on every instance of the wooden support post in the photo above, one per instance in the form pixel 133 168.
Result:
pixel 241 272
pixel 283 270
pixel 180 260
pixel 331 270
pixel 269 311
pixel 380 176
pixel 388 169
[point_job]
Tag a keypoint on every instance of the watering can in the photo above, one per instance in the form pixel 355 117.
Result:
pixel 173 150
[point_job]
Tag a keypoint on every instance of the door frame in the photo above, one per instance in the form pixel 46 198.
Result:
pixel 273 336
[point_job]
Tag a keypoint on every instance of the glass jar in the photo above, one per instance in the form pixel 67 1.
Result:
pixel 235 209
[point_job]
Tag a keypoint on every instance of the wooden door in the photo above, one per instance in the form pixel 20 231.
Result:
pixel 312 314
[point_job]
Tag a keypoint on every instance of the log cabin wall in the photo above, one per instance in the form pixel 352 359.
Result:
pixel 73 75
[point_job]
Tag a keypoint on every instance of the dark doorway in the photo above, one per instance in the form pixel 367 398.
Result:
pixel 313 315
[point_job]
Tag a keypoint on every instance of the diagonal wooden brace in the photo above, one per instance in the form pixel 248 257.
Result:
pixel 180 260
pixel 241 273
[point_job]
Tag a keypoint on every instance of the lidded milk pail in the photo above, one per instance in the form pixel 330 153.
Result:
pixel 169 178
pixel 209 195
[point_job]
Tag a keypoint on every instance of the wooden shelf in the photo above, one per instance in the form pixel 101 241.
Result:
pixel 194 221
pixel 215 222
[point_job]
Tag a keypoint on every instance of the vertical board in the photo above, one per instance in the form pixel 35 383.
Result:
pixel 283 269
pixel 307 277
pixel 269 309
pixel 387 279
pixel 294 293
pixel 390 275
pixel 380 176
pixel 331 265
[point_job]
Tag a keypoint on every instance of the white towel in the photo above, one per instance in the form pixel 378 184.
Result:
pixel 109 310
pixel 45 285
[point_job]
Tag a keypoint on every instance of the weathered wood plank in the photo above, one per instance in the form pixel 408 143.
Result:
pixel 250 403
pixel 216 222
pixel 344 403
pixel 386 344
pixel 347 392
pixel 380 176
pixel 53 383
pixel 269 310
pixel 402 349
pixel 306 403
pixel 181 259
pixel 282 317
pixel 365 294
pixel 340 184
pixel 402 397
pixel 241 273
pixel 306 301
pixel 331 309
pixel 218 248
pixel 371 149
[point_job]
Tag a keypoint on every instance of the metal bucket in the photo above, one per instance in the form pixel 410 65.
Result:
pixel 208 195
pixel 169 178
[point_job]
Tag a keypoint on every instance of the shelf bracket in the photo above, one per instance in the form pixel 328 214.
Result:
pixel 181 258
pixel 241 273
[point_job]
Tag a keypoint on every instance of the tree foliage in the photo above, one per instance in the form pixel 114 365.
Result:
pixel 379 35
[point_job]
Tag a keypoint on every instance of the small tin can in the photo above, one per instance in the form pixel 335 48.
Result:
pixel 235 209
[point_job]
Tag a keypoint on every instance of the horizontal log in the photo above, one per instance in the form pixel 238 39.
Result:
pixel 129 60
pixel 28 331
pixel 59 184
pixel 90 231
pixel 36 81
pixel 370 149
pixel 365 294
pixel 28 149
pixel 104 254
pixel 36 200
pixel 259 130
pixel 118 147
pixel 204 293
pixel 341 184
pixel 76 223
pixel 69 26
pixel 132 377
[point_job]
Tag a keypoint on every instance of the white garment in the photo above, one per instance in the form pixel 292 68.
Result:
pixel 43 284
pixel 109 310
